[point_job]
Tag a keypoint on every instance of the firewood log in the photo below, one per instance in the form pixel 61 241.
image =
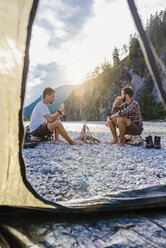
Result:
pixel 86 136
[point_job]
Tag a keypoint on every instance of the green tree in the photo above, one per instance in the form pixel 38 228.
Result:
pixel 134 46
pixel 105 66
pixel 115 56
pixel 125 49
pixel 156 28
pixel 150 109
pixel 96 71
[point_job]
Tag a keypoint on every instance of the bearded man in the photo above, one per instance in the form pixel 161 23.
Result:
pixel 127 118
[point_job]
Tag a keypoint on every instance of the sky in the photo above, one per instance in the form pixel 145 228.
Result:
pixel 71 37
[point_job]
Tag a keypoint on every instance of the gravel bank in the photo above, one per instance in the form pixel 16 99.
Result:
pixel 63 172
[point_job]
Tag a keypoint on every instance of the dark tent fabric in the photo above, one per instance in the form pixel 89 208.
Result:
pixel 28 228
pixel 18 198
pixel 151 58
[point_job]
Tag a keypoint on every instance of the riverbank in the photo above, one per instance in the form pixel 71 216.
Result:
pixel 61 172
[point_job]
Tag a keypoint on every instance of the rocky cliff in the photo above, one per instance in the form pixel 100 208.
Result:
pixel 93 100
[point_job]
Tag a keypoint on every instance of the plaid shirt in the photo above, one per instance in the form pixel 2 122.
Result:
pixel 130 110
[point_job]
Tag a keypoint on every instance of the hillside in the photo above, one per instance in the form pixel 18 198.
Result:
pixel 62 93
pixel 94 98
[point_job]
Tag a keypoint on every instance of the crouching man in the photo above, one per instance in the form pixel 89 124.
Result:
pixel 127 118
pixel 43 123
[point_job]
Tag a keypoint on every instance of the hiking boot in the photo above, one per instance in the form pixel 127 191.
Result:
pixel 157 142
pixel 149 142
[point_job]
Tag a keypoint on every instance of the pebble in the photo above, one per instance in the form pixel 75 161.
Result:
pixel 83 185
pixel 56 186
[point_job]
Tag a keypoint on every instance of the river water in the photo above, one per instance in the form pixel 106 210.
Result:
pixel 150 128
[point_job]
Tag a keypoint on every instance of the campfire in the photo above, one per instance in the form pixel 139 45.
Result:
pixel 86 136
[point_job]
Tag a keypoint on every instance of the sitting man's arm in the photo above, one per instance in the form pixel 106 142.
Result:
pixel 115 107
pixel 124 112
pixel 53 117
pixel 129 110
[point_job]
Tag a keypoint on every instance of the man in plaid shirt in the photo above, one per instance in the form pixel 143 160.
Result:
pixel 127 118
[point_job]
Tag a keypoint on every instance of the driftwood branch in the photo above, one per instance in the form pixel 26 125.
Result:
pixel 86 136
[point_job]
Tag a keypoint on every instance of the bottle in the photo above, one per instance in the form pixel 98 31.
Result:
pixel 62 106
